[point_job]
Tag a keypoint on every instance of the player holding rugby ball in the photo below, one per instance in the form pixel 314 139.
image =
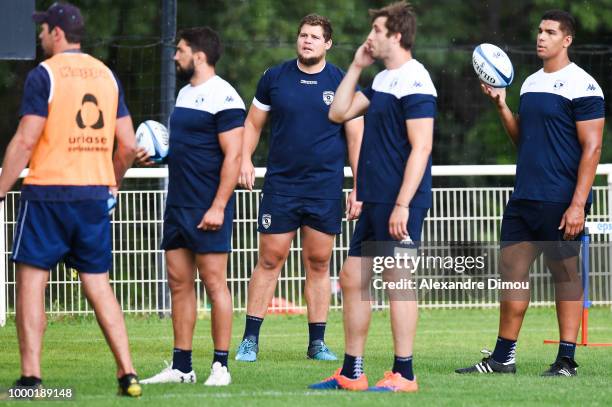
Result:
pixel 203 164
pixel 558 133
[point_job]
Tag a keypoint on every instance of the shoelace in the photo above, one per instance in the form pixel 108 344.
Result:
pixel 488 354
pixel 248 345
pixel 333 377
pixel 387 377
pixel 557 365
pixel 387 380
pixel 323 348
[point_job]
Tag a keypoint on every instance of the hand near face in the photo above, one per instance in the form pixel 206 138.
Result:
pixel 363 56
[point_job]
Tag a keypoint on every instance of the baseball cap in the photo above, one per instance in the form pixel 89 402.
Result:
pixel 62 15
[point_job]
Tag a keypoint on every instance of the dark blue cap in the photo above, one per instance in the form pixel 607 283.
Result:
pixel 62 15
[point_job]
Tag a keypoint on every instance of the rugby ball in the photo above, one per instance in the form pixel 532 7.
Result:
pixel 492 65
pixel 153 137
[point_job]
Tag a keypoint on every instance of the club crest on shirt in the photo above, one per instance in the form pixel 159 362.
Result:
pixel 266 220
pixel 328 97
pixel 559 84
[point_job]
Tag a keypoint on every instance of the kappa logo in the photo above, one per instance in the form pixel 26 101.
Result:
pixel 266 220
pixel 229 99
pixel 559 84
pixel 328 97
pixel 591 87
pixel 199 100
pixel 417 84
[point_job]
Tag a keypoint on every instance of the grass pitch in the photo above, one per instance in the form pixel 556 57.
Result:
pixel 76 355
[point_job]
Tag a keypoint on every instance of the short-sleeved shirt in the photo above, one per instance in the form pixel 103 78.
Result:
pixel 35 101
pixel 195 156
pixel 306 150
pixel 549 151
pixel 396 95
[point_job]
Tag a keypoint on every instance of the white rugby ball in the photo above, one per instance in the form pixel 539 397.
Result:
pixel 153 137
pixel 492 65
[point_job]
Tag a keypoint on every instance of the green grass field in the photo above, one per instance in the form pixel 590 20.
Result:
pixel 76 355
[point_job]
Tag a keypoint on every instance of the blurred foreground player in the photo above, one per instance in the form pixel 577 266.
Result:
pixel 72 110
pixel 558 132
pixel 394 183
pixel 206 128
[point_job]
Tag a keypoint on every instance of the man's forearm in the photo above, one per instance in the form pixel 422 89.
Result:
pixel 16 158
pixel 353 129
pixel 250 140
pixel 586 175
pixel 413 175
pixel 353 161
pixel 122 161
pixel 126 147
pixel 229 178
pixel 510 123
pixel 344 94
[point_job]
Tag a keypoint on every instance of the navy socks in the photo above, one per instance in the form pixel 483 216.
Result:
pixel 181 360
pixel 253 324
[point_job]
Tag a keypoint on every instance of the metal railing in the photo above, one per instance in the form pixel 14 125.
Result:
pixel 139 277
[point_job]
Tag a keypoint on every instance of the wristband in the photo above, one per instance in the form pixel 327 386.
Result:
pixel 401 206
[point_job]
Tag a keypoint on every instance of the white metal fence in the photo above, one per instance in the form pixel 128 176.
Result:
pixel 139 277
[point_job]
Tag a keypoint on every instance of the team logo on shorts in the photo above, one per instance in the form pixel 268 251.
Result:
pixel 266 220
pixel 328 97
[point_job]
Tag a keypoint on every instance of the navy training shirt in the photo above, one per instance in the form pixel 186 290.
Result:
pixel 549 152
pixel 195 157
pixel 396 95
pixel 306 150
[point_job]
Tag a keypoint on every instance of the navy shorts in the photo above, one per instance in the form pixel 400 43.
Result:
pixel 181 231
pixel 77 232
pixel 373 225
pixel 538 222
pixel 282 214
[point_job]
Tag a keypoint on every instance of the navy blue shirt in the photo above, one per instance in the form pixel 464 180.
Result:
pixel 195 156
pixel 395 96
pixel 306 150
pixel 549 152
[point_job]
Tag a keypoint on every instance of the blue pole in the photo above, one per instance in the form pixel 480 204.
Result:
pixel 586 253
